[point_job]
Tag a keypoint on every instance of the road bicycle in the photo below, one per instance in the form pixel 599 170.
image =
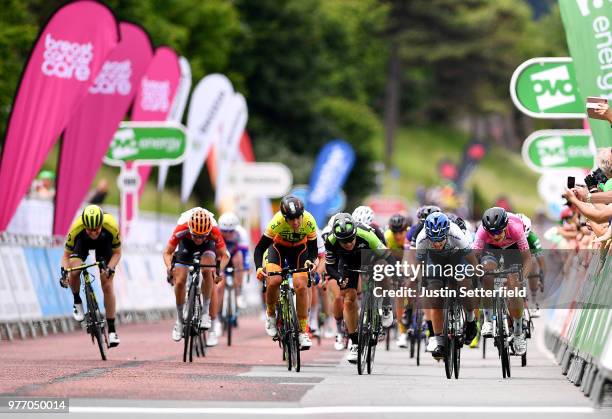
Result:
pixel 194 337
pixel 95 324
pixel 288 327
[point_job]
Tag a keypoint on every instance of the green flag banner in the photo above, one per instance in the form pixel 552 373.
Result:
pixel 588 27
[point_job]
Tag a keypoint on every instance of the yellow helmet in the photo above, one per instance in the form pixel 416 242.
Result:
pixel 92 217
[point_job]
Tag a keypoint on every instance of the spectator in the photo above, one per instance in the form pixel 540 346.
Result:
pixel 604 111
pixel 598 213
pixel 98 195
pixel 44 185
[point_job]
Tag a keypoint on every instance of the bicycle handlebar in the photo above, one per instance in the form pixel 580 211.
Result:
pixel 83 267
pixel 288 271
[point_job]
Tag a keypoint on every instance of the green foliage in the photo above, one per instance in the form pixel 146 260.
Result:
pixel 18 30
pixel 313 70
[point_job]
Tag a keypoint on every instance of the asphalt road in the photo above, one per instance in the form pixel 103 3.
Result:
pixel 145 376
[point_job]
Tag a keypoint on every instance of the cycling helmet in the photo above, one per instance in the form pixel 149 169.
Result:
pixel 363 215
pixel 92 217
pixel 437 225
pixel 344 228
pixel 495 219
pixel 200 222
pixel 228 221
pixel 424 211
pixel 526 222
pixel 291 207
pixel 457 220
pixel 397 223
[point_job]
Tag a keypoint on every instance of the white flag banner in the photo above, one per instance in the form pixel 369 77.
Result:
pixel 205 109
pixel 234 119
pixel 176 111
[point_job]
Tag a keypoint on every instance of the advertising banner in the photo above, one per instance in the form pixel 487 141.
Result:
pixel 177 111
pixel 333 164
pixel 546 87
pixel 559 149
pixel 205 109
pixel 91 129
pixel 156 94
pixel 588 27
pixel 68 54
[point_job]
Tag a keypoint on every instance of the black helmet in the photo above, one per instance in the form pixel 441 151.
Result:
pixel 457 220
pixel 291 207
pixel 397 223
pixel 424 211
pixel 495 219
pixel 345 228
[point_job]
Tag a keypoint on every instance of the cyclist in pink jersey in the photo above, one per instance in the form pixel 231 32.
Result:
pixel 501 230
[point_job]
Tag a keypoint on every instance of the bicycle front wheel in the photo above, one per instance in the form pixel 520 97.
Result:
pixel 502 340
pixel 364 335
pixel 95 320
pixel 295 335
pixel 189 325
pixel 449 339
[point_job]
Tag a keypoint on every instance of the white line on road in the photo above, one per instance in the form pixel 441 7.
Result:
pixel 329 410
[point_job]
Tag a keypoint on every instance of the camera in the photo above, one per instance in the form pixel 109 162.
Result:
pixel 595 178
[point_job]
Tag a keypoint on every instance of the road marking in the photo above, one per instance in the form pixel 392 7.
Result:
pixel 329 410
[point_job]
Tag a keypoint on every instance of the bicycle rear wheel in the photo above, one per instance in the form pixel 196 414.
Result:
pixel 229 313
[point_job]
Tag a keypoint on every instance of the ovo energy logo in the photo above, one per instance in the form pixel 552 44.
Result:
pixel 553 88
pixel 124 144
pixel 547 88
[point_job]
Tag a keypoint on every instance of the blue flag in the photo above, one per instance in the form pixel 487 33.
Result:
pixel 334 163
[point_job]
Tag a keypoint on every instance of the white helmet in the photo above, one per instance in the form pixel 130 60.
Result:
pixel 364 215
pixel 526 222
pixel 228 222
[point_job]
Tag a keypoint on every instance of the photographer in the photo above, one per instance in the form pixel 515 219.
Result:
pixel 599 182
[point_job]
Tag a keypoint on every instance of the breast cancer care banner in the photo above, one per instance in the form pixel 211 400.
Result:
pixel 91 129
pixel 157 90
pixel 588 27
pixel 333 164
pixel 177 111
pixel 66 57
pixel 153 103
pixel 205 112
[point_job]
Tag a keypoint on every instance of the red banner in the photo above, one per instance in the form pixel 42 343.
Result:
pixel 91 130
pixel 67 55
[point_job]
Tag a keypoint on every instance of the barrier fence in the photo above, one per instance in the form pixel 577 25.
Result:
pixel 580 336
pixel 33 303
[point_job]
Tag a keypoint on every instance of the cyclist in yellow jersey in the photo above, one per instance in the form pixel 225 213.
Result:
pixel 93 229
pixel 290 240
pixel 395 236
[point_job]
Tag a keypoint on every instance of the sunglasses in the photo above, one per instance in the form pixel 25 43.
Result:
pixel 496 232
pixel 199 236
